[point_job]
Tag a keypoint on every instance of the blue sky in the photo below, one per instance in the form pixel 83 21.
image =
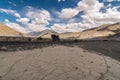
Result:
pixel 59 15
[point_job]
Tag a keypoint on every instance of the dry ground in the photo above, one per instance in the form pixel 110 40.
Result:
pixel 59 63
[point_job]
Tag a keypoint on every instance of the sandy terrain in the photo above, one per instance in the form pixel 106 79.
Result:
pixel 58 63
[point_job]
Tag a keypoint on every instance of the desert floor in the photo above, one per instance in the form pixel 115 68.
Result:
pixel 99 61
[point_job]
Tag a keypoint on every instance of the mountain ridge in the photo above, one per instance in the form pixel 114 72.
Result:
pixel 9 32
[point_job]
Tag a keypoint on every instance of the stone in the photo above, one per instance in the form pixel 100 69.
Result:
pixel 3 48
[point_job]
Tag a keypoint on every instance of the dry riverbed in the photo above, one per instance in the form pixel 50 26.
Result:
pixel 58 63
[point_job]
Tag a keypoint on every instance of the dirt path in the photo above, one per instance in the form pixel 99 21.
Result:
pixel 58 63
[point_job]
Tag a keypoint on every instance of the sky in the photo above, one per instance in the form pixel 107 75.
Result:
pixel 59 15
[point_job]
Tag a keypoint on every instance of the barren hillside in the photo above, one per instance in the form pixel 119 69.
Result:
pixel 7 31
pixel 98 32
pixel 101 31
pixel 63 35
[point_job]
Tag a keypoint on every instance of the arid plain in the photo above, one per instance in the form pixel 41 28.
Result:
pixel 76 61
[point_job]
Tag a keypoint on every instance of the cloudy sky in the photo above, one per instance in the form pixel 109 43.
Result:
pixel 59 15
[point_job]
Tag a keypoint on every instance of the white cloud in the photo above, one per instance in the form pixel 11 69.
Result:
pixel 16 14
pixel 6 20
pixel 70 27
pixel 33 20
pixel 89 6
pixel 33 13
pixel 109 5
pixel 26 27
pixel 23 20
pixel 61 0
pixel 85 5
pixel 40 21
pixel 98 18
pixel 36 27
pixel 68 13
pixel 39 16
pixel 36 19
pixel 92 17
pixel 110 0
pixel 16 26
pixel 12 12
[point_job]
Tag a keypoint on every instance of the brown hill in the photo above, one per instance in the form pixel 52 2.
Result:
pixel 62 35
pixel 70 35
pixel 96 33
pixel 101 31
pixel 7 31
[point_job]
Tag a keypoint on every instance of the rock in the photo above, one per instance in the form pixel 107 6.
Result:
pixel 19 48
pixel 75 68
pixel 0 76
pixel 3 48
pixel 91 62
pixel 25 70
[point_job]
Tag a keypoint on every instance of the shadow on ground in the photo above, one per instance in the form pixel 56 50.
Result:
pixel 107 48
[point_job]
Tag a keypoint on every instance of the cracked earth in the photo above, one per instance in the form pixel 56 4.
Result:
pixel 58 63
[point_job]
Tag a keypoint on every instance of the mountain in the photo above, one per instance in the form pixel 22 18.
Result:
pixel 94 33
pixel 44 34
pixel 101 31
pixel 7 31
pixel 69 35
pixel 114 37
